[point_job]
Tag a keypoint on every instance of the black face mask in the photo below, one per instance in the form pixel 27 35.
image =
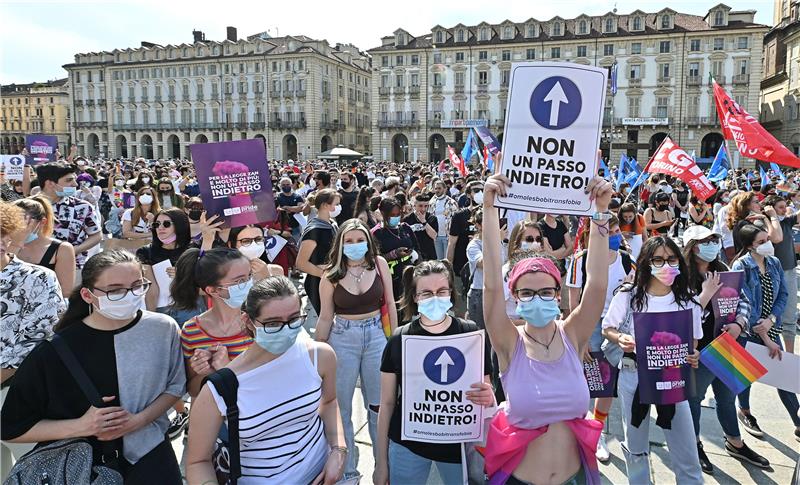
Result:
pixel 345 185
pixel 286 189
pixel 194 214
pixel 663 207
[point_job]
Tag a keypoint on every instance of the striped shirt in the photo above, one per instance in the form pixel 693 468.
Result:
pixel 281 434
pixel 194 337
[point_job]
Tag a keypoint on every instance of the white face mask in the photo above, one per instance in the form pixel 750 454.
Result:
pixel 145 199
pixel 766 249
pixel 253 251
pixel 119 183
pixel 145 180
pixel 478 197
pixel 124 309
pixel 530 246
pixel 336 210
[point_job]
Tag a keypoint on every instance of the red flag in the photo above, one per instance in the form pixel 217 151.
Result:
pixel 442 166
pixel 673 160
pixel 751 138
pixel 456 160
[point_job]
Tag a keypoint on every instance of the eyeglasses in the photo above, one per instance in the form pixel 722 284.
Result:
pixel 166 224
pixel 277 326
pixel 658 261
pixel 250 240
pixel 443 293
pixel 546 294
pixel 119 293
pixel 709 240
pixel 531 239
pixel 240 284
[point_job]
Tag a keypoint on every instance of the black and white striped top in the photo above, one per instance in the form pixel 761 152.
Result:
pixel 281 435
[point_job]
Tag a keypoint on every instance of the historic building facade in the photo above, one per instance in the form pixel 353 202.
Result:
pixel 34 108
pixel 428 90
pixel 300 95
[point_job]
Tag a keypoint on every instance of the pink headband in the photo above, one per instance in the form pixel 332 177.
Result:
pixel 533 265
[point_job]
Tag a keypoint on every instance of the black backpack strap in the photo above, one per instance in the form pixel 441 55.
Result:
pixel 227 386
pixel 49 252
pixel 627 262
pixel 110 451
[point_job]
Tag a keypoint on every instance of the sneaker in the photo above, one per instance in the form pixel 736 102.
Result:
pixel 177 425
pixel 705 463
pixel 602 453
pixel 746 454
pixel 750 424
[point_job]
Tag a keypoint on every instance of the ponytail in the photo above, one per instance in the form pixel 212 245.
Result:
pixel 196 270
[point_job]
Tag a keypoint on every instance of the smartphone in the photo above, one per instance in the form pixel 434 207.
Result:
pixel 503 221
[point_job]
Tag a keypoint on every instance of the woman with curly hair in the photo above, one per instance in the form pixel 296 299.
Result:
pixel 745 208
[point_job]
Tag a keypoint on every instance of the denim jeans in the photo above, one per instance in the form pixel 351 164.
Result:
pixel 441 246
pixel 596 340
pixel 405 466
pixel 183 316
pixel 636 447
pixel 359 347
pixel 788 399
pixel 789 318
pixel 475 306
pixel 726 402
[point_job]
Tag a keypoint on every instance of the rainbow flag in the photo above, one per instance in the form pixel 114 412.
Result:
pixel 731 363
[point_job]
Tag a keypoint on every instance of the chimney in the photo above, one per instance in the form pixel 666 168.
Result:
pixel 232 34
pixel 199 36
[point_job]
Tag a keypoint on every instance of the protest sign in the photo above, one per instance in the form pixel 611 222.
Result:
pixel 551 136
pixel 601 376
pixel 273 246
pixel 234 181
pixel 163 280
pixel 663 340
pixel 726 300
pixel 13 166
pixel 780 373
pixel 488 139
pixel 437 373
pixel 41 148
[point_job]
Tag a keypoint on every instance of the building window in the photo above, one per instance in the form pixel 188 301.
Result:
pixel 506 55
pixel 555 52
pixel 694 45
pixel 743 64
pixel 459 57
pixel 581 51
pixel 439 37
pixel 414 59
pixel 719 18
pixel 664 47
pixel 665 22
pixel 609 25
pixel 399 81
pixel 385 61
pixel 530 54
pixel 459 79
pixel 415 79
pixel 460 35
pixel 719 43
pixel 637 23
pixel 636 48
pixel 634 110
pixel 508 33
pixel 398 62
pixel 582 27
pixel 483 55
pixel 505 74
pixel 663 71
pixel 530 31
pixel 437 57
pixel 741 43
pixel 635 71
pixel 557 28
pixel 484 34
pixel 662 106
pixel 694 69
pixel 483 78
pixel 608 49
pixel 438 79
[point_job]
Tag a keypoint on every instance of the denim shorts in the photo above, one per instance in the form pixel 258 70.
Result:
pixel 340 324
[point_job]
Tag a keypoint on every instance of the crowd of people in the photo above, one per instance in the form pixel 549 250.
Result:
pixel 158 299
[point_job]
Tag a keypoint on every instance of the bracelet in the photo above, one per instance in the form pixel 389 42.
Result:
pixel 342 449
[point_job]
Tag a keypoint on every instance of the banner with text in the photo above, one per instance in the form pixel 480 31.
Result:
pixel 551 136
pixel 670 159
pixel 726 300
pixel 41 148
pixel 601 376
pixel 663 340
pixel 234 181
pixel 437 373
pixel 13 166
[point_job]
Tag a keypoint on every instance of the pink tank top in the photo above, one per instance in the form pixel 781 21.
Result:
pixel 542 393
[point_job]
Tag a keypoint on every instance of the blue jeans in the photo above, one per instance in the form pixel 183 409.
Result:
pixel 596 340
pixel 475 306
pixel 405 466
pixel 359 348
pixel 726 402
pixel 788 399
pixel 440 243
pixel 183 316
pixel 789 318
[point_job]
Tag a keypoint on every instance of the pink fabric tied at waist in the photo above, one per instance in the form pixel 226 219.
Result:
pixel 506 445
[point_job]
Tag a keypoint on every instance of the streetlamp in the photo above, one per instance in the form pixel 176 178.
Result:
pixel 610 135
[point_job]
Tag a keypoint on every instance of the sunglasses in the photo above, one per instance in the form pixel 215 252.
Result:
pixel 531 239
pixel 166 224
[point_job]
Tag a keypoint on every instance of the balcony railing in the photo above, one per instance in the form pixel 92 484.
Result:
pixel 199 97
pixel 384 90
pixel 157 98
pixel 351 101
pixel 118 99
pixel 258 125
pixel 458 89
pixel 437 89
pixel 78 102
pixel 326 95
pixel 171 97
pixel 413 90
pixel 274 94
pixel 483 88
pixel 300 93
pixel 693 80
pixel 663 81
pixel 741 78
pixel 89 102
pixel 721 80
pixel 434 123
pixel 634 83
pixel 500 122
pixel 398 123
pixel 288 94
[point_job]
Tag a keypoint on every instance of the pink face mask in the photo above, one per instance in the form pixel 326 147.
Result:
pixel 665 274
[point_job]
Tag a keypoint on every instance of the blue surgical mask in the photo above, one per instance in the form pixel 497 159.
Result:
pixel 709 251
pixel 237 294
pixel 277 342
pixel 66 192
pixel 394 221
pixel 356 251
pixel 435 307
pixel 31 237
pixel 614 242
pixel 538 312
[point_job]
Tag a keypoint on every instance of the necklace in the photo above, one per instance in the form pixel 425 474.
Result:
pixel 547 345
pixel 433 324
pixel 359 276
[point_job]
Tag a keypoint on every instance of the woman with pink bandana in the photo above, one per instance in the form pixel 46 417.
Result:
pixel 540 434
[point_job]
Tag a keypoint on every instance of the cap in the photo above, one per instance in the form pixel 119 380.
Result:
pixel 533 265
pixel 697 233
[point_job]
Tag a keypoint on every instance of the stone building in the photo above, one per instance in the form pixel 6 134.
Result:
pixel 34 108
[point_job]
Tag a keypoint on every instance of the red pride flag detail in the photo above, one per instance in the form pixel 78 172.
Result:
pixel 670 159
pixel 751 138
pixel 456 160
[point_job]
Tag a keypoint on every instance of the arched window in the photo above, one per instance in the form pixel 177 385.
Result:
pixel 185 52
pixel 484 33
pixel 609 25
pixel 439 37
pixel 557 28
pixel 637 23
pixel 507 33
pixel 216 50
pixel 582 27
pixel 460 35
pixel 665 22
pixel 201 52
pixel 719 18
pixel 531 31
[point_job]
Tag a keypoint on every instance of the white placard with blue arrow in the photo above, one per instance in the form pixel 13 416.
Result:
pixel 437 373
pixel 551 136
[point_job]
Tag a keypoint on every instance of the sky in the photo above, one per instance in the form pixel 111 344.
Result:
pixel 38 37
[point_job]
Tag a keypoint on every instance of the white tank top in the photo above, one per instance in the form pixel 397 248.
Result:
pixel 281 435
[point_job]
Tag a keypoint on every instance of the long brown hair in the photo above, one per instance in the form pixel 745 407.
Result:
pixel 337 268
pixel 155 207
pixel 739 208
pixel 412 274
pixel 629 207
pixel 515 239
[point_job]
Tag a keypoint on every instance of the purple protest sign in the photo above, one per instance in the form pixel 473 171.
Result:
pixel 488 139
pixel 601 376
pixel 234 181
pixel 663 340
pixel 41 148
pixel 726 300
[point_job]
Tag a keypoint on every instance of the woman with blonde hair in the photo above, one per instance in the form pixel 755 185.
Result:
pixel 136 221
pixel 744 209
pixel 354 287
pixel 40 248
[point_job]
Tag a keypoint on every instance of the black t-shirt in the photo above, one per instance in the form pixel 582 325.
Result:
pixel 348 205
pixel 362 179
pixel 554 235
pixel 461 228
pixel 290 200
pixel 151 255
pixel 322 233
pixel 427 250
pixel 392 363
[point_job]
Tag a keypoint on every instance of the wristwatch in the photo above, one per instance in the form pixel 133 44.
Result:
pixel 773 319
pixel 601 216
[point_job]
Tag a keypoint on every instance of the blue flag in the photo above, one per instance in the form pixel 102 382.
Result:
pixel 606 171
pixel 622 170
pixel 469 147
pixel 721 165
pixel 489 160
pixel 634 172
pixel 747 184
pixel 614 68
pixel 764 177
pixel 775 168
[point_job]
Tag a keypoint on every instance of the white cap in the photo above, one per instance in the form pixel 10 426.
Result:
pixel 697 233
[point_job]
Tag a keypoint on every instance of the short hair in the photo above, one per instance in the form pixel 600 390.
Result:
pixel 53 171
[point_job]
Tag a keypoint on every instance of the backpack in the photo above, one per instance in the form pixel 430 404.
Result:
pixel 226 453
pixel 612 351
pixel 68 462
